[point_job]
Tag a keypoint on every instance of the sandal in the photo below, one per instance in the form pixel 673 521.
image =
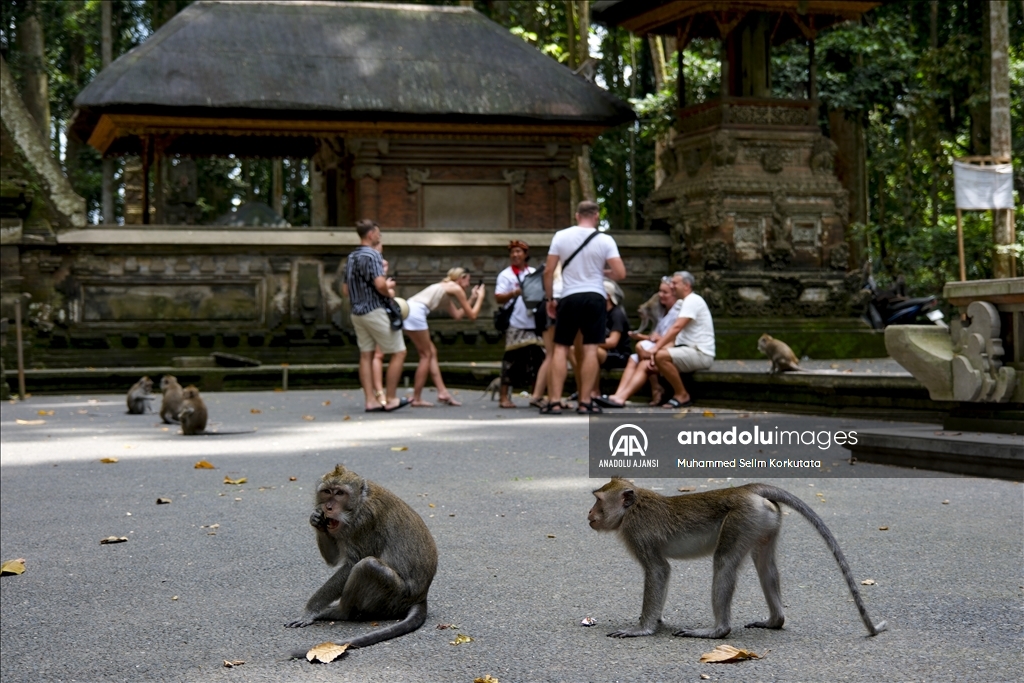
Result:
pixel 606 402
pixel 537 402
pixel 676 403
pixel 551 409
pixel 588 409
pixel 401 404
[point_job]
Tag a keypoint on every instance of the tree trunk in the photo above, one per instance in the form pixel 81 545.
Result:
pixel 588 189
pixel 277 186
pixel 847 131
pixel 980 112
pixel 1003 263
pixel 657 48
pixel 37 87
pixel 107 56
pixel 570 33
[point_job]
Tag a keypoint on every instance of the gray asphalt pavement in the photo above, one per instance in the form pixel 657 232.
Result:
pixel 505 494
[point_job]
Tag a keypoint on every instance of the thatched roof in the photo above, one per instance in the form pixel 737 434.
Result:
pixel 307 59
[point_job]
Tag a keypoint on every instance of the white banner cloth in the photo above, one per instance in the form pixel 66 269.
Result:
pixel 983 187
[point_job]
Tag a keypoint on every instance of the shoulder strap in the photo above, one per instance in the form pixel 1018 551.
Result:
pixel 565 264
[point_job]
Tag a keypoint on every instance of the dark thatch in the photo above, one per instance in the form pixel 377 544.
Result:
pixel 338 60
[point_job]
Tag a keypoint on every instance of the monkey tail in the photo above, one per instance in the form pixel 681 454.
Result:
pixel 416 617
pixel 777 495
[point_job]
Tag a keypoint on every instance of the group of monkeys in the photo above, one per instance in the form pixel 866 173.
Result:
pixel 386 556
pixel 185 406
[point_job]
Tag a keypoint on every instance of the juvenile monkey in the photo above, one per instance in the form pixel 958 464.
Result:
pixel 493 388
pixel 782 357
pixel 139 396
pixel 385 555
pixel 171 403
pixel 731 523
pixel 651 312
pixel 192 413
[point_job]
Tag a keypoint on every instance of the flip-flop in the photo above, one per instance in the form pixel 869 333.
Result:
pixel 401 404
pixel 379 409
pixel 508 406
pixel 605 402
pixel 676 403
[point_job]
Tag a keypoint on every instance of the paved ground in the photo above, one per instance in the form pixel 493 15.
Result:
pixel 519 566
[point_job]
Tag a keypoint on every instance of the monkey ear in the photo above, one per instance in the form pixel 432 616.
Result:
pixel 628 498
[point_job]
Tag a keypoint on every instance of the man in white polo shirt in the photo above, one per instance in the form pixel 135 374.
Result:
pixel 693 336
pixel 587 257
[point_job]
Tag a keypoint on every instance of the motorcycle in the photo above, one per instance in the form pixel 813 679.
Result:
pixel 893 307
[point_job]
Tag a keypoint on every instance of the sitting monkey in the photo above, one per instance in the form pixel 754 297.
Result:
pixel 385 555
pixel 139 396
pixel 782 357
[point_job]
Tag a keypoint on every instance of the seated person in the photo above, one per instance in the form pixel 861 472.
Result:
pixel 613 352
pixel 637 372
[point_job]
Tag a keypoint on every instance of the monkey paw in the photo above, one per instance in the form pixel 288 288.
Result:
pixel 631 633
pixel 317 519
pixel 300 623
pixel 703 633
pixel 767 623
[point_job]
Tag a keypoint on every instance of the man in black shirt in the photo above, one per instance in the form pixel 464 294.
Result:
pixel 368 289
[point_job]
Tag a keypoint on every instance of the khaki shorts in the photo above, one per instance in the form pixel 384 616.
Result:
pixel 689 359
pixel 374 329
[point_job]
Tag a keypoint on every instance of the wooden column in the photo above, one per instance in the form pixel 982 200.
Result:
pixel 147 151
pixel 159 171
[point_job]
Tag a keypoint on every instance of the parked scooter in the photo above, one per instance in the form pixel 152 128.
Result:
pixel 892 306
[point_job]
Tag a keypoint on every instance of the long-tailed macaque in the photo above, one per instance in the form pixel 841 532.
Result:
pixel 139 396
pixel 782 357
pixel 731 523
pixel 385 555
pixel 171 403
pixel 192 414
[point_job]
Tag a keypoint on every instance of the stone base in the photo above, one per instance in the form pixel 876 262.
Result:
pixel 925 447
pixel 736 338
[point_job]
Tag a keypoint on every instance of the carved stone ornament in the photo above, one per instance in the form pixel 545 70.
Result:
pixel 978 371
pixel 839 259
pixel 823 155
pixel 516 178
pixel 366 171
pixel 772 159
pixel 692 160
pixel 723 149
pixel 716 255
pixel 415 177
pixel 560 172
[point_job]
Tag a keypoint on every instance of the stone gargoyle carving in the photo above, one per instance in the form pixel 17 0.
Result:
pixel 978 370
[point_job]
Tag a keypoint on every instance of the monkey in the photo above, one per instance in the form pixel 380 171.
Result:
pixel 192 413
pixel 493 388
pixel 139 396
pixel 782 357
pixel 651 312
pixel 171 403
pixel 730 523
pixel 385 555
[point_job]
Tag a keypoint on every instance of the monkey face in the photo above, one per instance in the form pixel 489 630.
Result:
pixel 762 343
pixel 610 506
pixel 167 380
pixel 335 503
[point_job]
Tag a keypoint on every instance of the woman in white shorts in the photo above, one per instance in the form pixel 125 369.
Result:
pixel 415 326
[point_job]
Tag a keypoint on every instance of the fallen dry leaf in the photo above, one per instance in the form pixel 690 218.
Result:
pixel 233 663
pixel 308 418
pixel 705 677
pixel 13 567
pixel 681 413
pixel 883 528
pixel 174 597
pixel 113 539
pixel 326 652
pixel 292 478
pixel 163 501
pixel 108 460
pixel 687 489
pixel 30 422
pixel 588 621
pixel 430 505
pixel 44 412
pixel 210 526
pixel 347 417
pixel 488 678
pixel 255 411
pixel 867 582
pixel 727 653
pixel 551 535
pixel 708 413
pixel 460 639
pixel 235 482
pixel 399 448
pixel 204 465
pixel 326 403
pixel 945 502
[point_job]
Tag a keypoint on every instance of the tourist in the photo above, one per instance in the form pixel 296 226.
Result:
pixel 613 352
pixel 586 255
pixel 636 371
pixel 369 288
pixel 693 334
pixel 420 305
pixel 538 399
pixel 524 350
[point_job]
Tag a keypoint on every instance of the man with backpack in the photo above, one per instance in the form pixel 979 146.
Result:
pixel 524 347
pixel 588 256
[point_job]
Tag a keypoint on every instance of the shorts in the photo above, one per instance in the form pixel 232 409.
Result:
pixel 689 359
pixel 584 312
pixel 374 329
pixel 646 344
pixel 615 360
pixel 417 320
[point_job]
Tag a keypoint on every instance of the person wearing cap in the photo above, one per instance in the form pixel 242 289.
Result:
pixel 368 289
pixel 420 305
pixel 524 349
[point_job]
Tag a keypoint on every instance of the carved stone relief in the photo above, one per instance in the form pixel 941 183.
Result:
pixel 516 178
pixel 415 177
pixel 823 155
pixel 724 149
pixel 978 370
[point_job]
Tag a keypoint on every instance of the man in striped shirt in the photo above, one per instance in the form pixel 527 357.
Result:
pixel 368 289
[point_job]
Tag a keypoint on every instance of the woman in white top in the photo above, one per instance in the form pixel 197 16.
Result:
pixel 415 326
